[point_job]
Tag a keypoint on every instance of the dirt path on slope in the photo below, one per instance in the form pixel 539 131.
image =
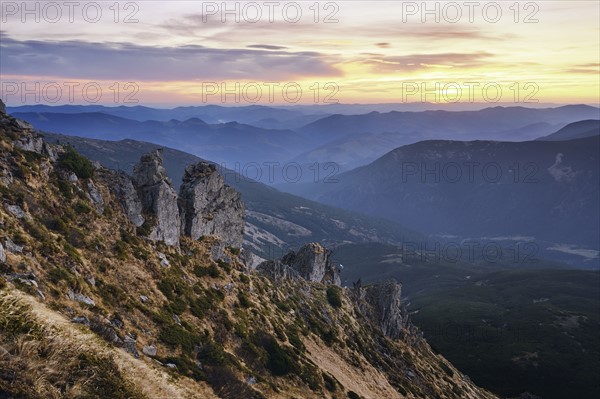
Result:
pixel 153 382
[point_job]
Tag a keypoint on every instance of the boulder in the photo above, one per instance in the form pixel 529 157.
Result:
pixel 16 211
pixel 209 207
pixel 12 247
pixel 32 143
pixel 149 350
pixel 129 344
pixel 106 331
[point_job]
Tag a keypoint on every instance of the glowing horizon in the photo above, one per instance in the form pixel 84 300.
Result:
pixel 376 52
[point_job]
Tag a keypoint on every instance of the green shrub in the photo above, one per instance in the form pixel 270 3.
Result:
pixel 72 252
pixel 76 163
pixel 202 304
pixel 186 367
pixel 333 296
pixel 58 274
pixel 279 362
pixel 56 224
pixel 310 375
pixel 224 265
pixel 330 382
pixel 178 306
pixel 212 353
pixel 145 229
pixel 82 208
pixel 234 250
pixel 65 188
pixel 121 249
pixel 295 340
pixel 19 239
pixel 175 335
pixel 244 300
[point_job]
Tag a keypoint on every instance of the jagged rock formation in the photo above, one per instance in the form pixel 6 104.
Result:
pixel 158 198
pixel 382 304
pixel 312 262
pixel 25 138
pixel 130 201
pixel 209 207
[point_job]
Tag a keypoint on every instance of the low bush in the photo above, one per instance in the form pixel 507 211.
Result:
pixel 76 163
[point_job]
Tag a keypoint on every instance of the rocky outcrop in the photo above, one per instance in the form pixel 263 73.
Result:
pixel 312 262
pixel 205 206
pixel 382 304
pixel 209 207
pixel 25 137
pixel 276 270
pixel 158 198
pixel 2 254
pixel 125 191
pixel 95 197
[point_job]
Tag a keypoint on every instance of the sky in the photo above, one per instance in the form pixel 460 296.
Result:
pixel 304 52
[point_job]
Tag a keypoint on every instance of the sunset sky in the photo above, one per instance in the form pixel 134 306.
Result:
pixel 371 51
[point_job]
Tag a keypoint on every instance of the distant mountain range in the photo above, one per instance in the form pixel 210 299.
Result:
pixel 254 114
pixel 545 190
pixel 575 130
pixel 230 143
pixel 258 134
pixel 490 123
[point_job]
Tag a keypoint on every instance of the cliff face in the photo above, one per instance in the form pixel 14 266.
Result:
pixel 312 262
pixel 158 198
pixel 209 207
pixel 88 253
pixel 382 304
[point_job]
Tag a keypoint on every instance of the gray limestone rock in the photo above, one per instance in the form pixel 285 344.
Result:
pixel 313 263
pixel 382 304
pixel 158 198
pixel 124 189
pixel 95 197
pixel 149 350
pixel 12 247
pixel 209 207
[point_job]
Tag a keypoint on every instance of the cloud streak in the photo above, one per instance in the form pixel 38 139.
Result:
pixel 415 62
pixel 126 61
